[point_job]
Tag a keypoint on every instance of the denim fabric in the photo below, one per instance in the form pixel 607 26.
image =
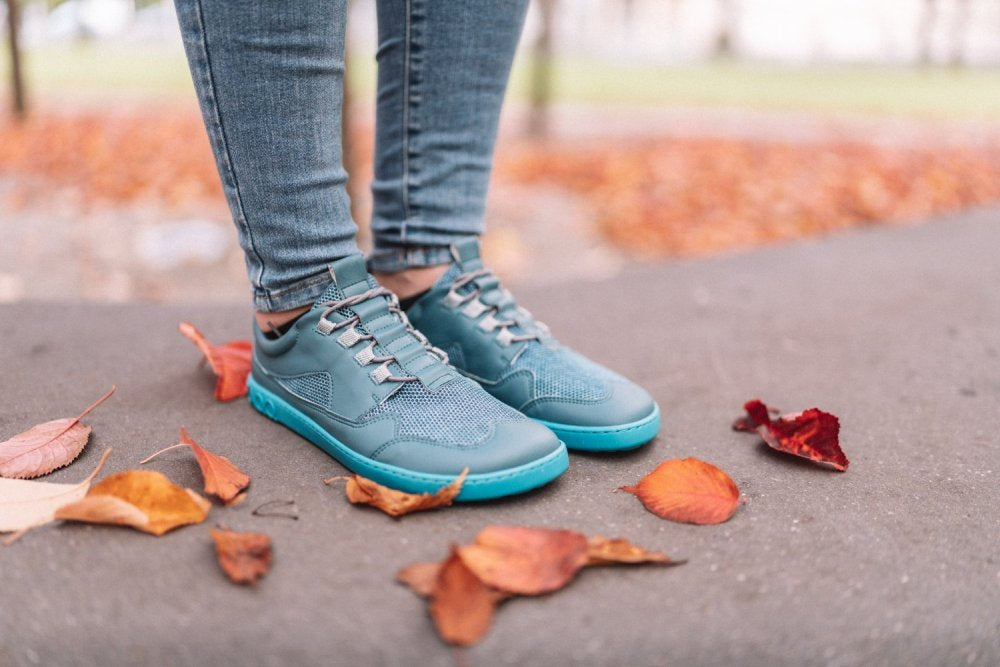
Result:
pixel 269 78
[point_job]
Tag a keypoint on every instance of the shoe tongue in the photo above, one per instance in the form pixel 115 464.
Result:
pixel 466 254
pixel 350 274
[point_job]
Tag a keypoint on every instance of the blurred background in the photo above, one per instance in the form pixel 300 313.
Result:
pixel 649 130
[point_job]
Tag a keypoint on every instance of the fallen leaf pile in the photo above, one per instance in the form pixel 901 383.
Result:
pixel 689 491
pixel 229 361
pixel 811 434
pixel 363 491
pixel 654 195
pixel 503 561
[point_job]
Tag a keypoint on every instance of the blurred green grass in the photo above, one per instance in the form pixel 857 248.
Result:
pixel 134 70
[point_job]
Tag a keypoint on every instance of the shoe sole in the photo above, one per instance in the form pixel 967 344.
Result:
pixel 608 438
pixel 479 486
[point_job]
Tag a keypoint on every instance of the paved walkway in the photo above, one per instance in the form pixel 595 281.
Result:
pixel 896 562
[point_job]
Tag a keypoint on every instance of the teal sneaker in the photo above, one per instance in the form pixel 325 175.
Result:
pixel 490 339
pixel 353 377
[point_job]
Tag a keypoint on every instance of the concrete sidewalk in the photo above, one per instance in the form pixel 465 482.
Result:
pixel 896 562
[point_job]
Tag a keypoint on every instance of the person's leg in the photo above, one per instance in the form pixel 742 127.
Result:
pixel 442 73
pixel 269 79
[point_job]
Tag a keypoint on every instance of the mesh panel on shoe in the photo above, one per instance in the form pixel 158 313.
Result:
pixel 315 387
pixel 460 413
pixel 561 373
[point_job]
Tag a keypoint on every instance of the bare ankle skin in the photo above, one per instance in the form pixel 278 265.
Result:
pixel 271 321
pixel 413 281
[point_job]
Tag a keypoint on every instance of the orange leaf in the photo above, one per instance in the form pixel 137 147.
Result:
pixel 244 557
pixel 461 605
pixel 420 577
pixel 363 491
pixel 689 491
pixel 527 561
pixel 142 499
pixel 230 362
pixel 602 551
pixel 45 447
pixel 222 479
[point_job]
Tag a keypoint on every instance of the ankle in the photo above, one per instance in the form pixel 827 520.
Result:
pixel 413 281
pixel 273 321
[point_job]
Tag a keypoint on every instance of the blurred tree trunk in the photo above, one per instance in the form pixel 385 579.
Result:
pixel 925 32
pixel 959 33
pixel 541 71
pixel 20 105
pixel 725 37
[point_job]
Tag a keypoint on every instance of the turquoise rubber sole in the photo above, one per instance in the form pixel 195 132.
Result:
pixel 479 486
pixel 608 438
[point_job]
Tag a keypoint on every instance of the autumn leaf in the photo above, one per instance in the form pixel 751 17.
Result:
pixel 602 551
pixel 46 447
pixel 363 491
pixel 244 557
pixel 222 479
pixel 757 414
pixel 230 362
pixel 526 561
pixel 688 491
pixel 811 434
pixel 420 577
pixel 26 504
pixel 461 605
pixel 142 499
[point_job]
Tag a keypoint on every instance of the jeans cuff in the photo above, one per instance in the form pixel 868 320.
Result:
pixel 302 293
pixel 392 260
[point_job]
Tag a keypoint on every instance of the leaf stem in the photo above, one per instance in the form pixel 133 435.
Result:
pixel 165 449
pixel 93 405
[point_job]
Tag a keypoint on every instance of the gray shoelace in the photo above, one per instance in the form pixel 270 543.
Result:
pixel 535 329
pixel 381 374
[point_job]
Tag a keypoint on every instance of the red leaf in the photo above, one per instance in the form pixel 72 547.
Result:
pixel 230 362
pixel 755 416
pixel 688 491
pixel 812 434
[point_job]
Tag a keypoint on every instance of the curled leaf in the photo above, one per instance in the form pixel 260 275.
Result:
pixel 25 504
pixel 461 604
pixel 757 414
pixel 222 479
pixel 363 491
pixel 688 491
pixel 812 434
pixel 142 499
pixel 47 446
pixel 526 561
pixel 602 551
pixel 244 557
pixel 229 361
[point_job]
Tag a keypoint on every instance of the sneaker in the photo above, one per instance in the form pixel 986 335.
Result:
pixel 353 377
pixel 490 339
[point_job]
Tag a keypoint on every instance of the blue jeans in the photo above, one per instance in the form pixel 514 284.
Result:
pixel 269 77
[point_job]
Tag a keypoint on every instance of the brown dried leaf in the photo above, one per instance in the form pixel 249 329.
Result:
pixel 602 551
pixel 526 561
pixel 461 604
pixel 689 491
pixel 244 557
pixel 222 479
pixel 46 447
pixel 363 491
pixel 142 499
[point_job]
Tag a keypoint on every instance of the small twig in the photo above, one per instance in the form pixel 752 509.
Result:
pixel 165 449
pixel 294 514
